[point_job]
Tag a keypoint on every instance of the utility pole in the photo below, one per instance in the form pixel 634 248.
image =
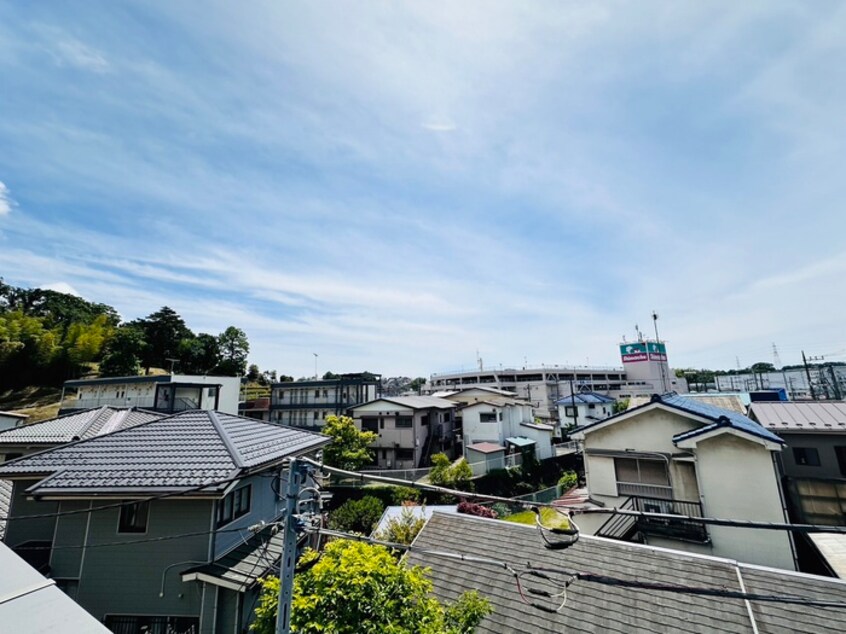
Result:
pixel 836 382
pixel 808 374
pixel 664 385
pixel 296 478
pixel 315 365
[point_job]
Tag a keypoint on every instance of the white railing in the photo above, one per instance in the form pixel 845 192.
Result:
pixel 645 490
pixel 90 403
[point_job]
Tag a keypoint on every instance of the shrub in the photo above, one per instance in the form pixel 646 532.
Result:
pixel 568 480
pixel 471 508
pixel 402 529
pixel 357 516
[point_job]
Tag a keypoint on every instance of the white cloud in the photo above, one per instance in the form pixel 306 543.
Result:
pixel 5 200
pixel 72 52
pixel 61 287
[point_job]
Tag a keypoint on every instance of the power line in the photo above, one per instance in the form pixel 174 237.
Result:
pixel 806 528
pixel 128 502
pixel 128 542
pixel 716 521
pixel 544 572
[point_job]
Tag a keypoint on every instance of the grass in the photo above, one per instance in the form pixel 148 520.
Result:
pixel 40 403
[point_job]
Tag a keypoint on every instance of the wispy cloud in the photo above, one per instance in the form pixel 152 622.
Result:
pixel 401 185
pixel 5 199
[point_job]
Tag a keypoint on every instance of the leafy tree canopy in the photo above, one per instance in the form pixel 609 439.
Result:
pixel 356 588
pixel 403 529
pixel 234 348
pixel 349 447
pixel 357 516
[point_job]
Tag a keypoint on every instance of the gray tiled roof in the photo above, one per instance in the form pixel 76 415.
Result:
pixel 170 454
pixel 245 564
pixel 593 607
pixel 5 504
pixel 414 402
pixel 80 425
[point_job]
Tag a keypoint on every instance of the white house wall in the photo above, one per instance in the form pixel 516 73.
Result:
pixel 737 480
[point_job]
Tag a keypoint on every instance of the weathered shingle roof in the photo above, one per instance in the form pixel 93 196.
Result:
pixel 181 451
pixel 811 417
pixel 593 607
pixel 80 425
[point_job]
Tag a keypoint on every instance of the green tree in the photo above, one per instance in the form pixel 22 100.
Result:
pixel 356 588
pixel 349 447
pixel 234 348
pixel 253 373
pixel 123 353
pixel 417 383
pixel 403 529
pixel 453 476
pixel 357 516
pixel 163 332
pixel 198 355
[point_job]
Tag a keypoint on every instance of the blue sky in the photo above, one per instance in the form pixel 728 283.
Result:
pixel 395 185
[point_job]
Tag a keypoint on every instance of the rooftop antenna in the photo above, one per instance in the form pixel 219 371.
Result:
pixel 479 361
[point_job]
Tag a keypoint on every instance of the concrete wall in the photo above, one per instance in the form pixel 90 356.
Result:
pixel 824 444
pixel 230 390
pixel 737 480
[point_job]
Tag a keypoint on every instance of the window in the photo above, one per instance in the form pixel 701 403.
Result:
pixel 316 393
pixel 806 456
pixel 841 459
pixel 234 505
pixel 315 415
pixel 637 476
pixel 133 517
pixel 404 454
pixel 369 424
pixel 487 417
pixel 570 412
pixel 403 422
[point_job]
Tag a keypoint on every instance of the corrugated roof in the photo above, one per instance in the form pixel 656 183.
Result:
pixel 29 603
pixel 80 425
pixel 593 607
pixel 181 451
pixel 486 447
pixel 813 417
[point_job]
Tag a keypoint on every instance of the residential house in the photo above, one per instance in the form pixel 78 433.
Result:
pixel 608 595
pixel 411 429
pixel 31 603
pixel 149 527
pixel 679 456
pixel 582 408
pixel 813 470
pixel 306 404
pixel 166 393
pixel 508 424
pixel 47 434
pixel 10 420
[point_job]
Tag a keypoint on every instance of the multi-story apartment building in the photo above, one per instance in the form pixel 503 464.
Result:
pixel 410 429
pixel 645 372
pixel 308 403
pixel 165 393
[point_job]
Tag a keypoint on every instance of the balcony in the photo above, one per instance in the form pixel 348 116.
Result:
pixel 630 527
pixel 687 530
pixel 638 489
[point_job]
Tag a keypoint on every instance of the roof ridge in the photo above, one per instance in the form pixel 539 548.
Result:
pixel 94 419
pixel 237 458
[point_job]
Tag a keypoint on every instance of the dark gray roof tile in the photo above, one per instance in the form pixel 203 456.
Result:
pixel 182 451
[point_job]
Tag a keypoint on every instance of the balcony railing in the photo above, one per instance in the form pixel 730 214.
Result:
pixel 645 490
pixel 686 529
pixel 145 402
